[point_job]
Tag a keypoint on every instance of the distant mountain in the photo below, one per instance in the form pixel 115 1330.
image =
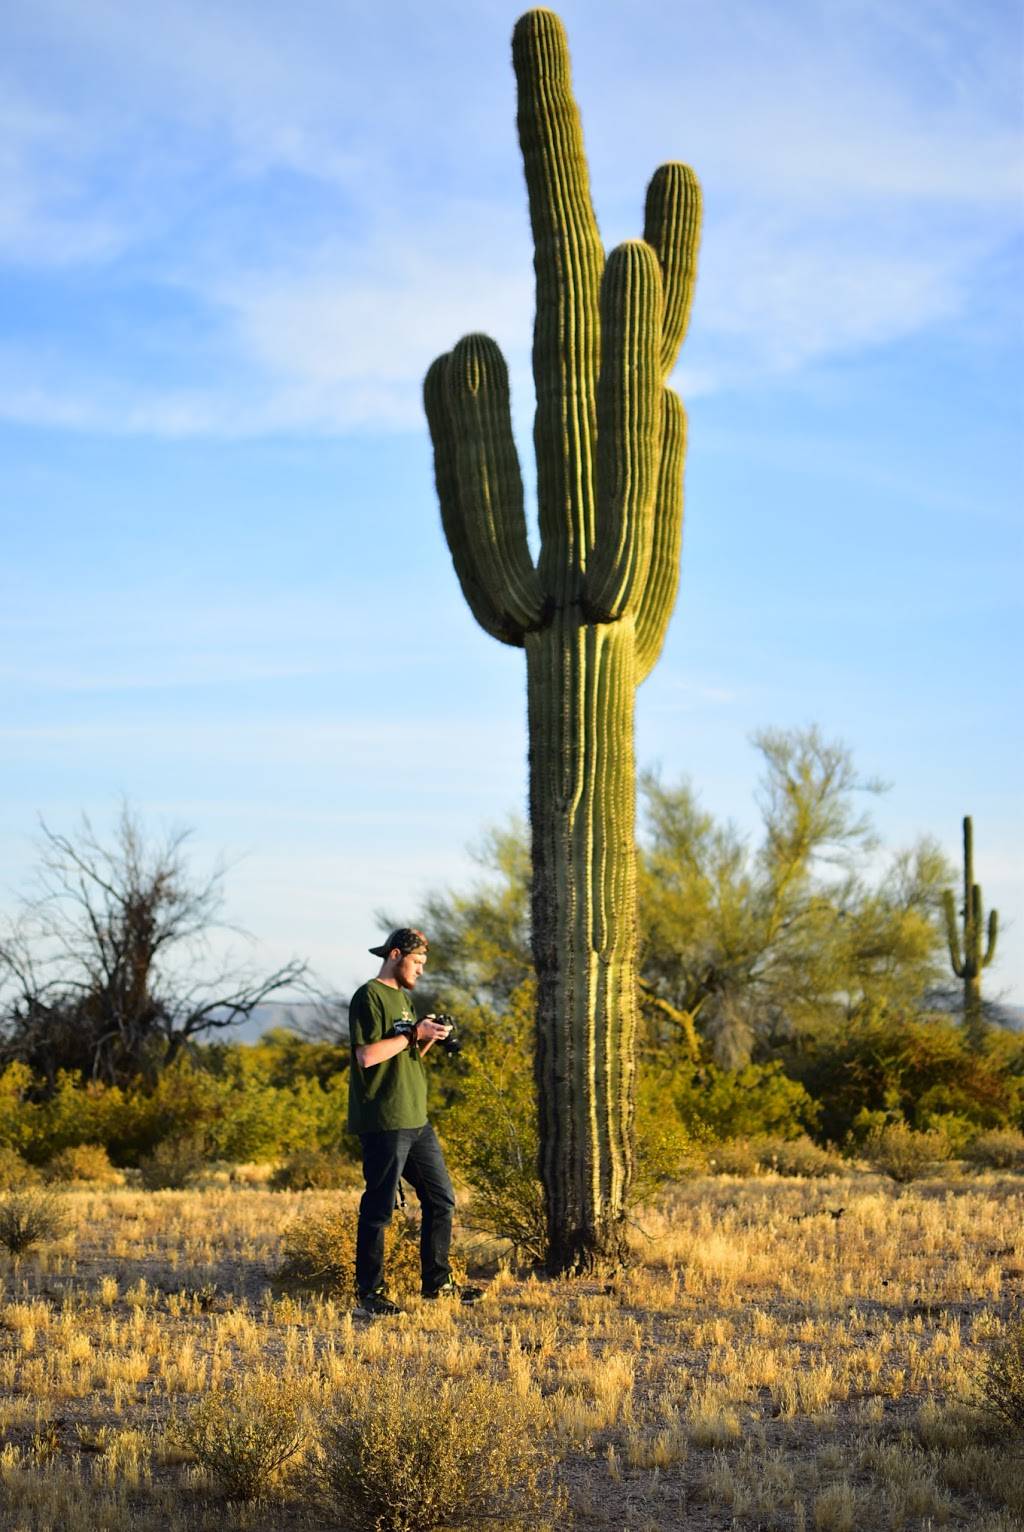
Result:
pixel 293 1015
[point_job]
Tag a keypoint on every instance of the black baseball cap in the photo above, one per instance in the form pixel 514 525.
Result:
pixel 405 939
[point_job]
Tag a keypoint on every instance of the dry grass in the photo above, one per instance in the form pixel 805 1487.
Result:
pixel 786 1355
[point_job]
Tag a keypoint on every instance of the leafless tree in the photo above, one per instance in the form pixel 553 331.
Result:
pixel 108 970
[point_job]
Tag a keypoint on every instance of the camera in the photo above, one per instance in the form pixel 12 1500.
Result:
pixel 452 1043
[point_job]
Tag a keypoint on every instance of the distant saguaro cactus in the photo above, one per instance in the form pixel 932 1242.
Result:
pixel 968 960
pixel 591 614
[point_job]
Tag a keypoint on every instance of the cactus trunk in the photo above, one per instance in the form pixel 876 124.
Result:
pixel 581 687
pixel 591 613
pixel 967 960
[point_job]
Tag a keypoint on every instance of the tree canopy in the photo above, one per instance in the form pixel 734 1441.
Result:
pixel 744 947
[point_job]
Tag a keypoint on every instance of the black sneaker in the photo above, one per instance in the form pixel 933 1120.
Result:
pixel 376 1305
pixel 456 1293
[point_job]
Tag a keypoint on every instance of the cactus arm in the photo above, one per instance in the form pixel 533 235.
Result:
pixel 993 932
pixel 490 484
pixel 482 604
pixel 952 934
pixel 568 261
pixel 659 596
pixel 969 886
pixel 672 218
pixel 629 423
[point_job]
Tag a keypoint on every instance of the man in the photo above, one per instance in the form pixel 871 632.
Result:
pixel 387 1107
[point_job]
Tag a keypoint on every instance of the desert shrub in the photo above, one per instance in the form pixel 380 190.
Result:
pixel 82 1162
pixel 998 1149
pixel 785 1156
pixel 315 1170
pixel 492 1138
pixel 30 1217
pixel 736 1157
pixel 916 1067
pixel 245 1436
pixel 490 1131
pixel 320 1250
pixel 665 1147
pixel 221 1092
pixel 409 1452
pixel 40 1120
pixel 741 1103
pixel 956 1130
pixel 898 1152
pixel 15 1082
pixel 173 1164
pixel 798 1157
pixel 14 1171
pixel 1001 1383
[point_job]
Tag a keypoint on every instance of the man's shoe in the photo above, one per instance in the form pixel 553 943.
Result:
pixel 457 1294
pixel 376 1305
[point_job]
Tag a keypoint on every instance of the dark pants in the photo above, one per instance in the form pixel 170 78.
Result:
pixel 415 1155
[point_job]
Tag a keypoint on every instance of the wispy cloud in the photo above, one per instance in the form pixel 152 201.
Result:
pixel 49 213
pixel 307 189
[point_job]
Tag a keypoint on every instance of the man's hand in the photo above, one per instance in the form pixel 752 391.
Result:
pixel 430 1031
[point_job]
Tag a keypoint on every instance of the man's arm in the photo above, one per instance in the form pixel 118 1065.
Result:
pixel 427 1033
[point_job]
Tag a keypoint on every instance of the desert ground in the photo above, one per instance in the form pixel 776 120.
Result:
pixel 783 1354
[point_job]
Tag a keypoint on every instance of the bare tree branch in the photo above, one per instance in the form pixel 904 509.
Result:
pixel 91 971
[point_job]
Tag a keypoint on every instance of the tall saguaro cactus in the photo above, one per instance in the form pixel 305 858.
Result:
pixel 591 613
pixel 968 960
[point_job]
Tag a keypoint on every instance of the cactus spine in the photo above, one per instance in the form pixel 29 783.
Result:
pixel 968 959
pixel 591 614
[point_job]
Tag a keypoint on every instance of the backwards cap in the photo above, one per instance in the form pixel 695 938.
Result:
pixel 405 939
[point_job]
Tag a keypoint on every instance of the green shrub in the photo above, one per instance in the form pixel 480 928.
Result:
pixel 998 1149
pixel 956 1131
pixel 82 1162
pixel 30 1217
pixel 492 1139
pixel 246 1436
pixel 320 1250
pixel 15 1172
pixel 410 1453
pixel 1001 1384
pixel 490 1130
pixel 665 1147
pixel 174 1165
pixel 741 1103
pixel 315 1170
pixel 898 1152
pixel 916 1067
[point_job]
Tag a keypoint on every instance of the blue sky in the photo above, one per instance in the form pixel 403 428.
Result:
pixel 232 239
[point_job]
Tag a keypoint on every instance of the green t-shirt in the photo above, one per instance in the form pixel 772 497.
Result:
pixel 392 1094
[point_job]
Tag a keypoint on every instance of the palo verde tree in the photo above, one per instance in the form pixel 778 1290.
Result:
pixel 757 947
pixel 967 957
pixel 591 614
pixel 750 946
